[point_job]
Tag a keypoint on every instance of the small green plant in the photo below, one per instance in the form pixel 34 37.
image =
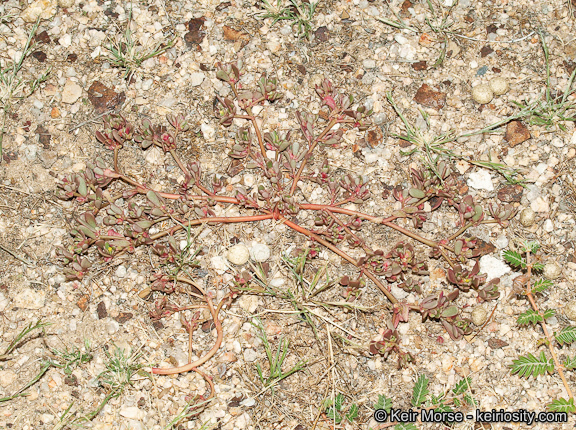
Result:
pixel 425 403
pixel 275 360
pixel 438 22
pixel 536 365
pixel 433 147
pixel 118 375
pixel 69 360
pixel 12 85
pixel 337 411
pixel 299 12
pixel 128 54
pixel 553 108
pixel 7 355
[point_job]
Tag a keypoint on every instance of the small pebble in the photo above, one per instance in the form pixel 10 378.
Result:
pixel 196 78
pixel 120 271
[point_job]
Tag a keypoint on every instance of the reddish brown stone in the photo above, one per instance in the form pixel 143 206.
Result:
pixel 429 97
pixel 497 343
pixel 222 6
pixel 208 326
pixel 82 303
pixel 236 166
pixel 44 136
pixel 420 65
pixel 123 317
pixel 236 36
pixel 101 310
pixel 484 248
pixel 486 50
pixel 196 32
pixel 516 133
pixel 374 137
pixel 71 58
pixel 403 143
pixel 39 55
pixel 104 98
pixel 42 37
pixel 404 13
pixel 510 193
pixel 322 34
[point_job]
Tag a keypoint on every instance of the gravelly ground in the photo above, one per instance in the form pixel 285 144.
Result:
pixel 51 133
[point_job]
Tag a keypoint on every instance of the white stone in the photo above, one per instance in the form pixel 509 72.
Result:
pixel 238 254
pixel 369 64
pixel 196 78
pixel 482 94
pixel 540 205
pixel 557 142
pixel 481 180
pixel 400 39
pixel 208 131
pixel 112 326
pixel 132 412
pixel 548 226
pixel 28 298
pixel 46 418
pixel 501 241
pixel 7 377
pixel 155 156
pixel 218 263
pixel 120 271
pixel 493 267
pixel 248 302
pixel 66 3
pixel 260 252
pixel 45 9
pixel 250 355
pixel 71 92
pixel 65 40
pixel 3 302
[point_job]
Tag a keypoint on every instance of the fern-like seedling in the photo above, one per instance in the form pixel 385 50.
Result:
pixel 420 391
pixel 531 365
pixel 566 335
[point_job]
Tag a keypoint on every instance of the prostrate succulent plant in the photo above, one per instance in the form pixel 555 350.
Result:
pixel 120 212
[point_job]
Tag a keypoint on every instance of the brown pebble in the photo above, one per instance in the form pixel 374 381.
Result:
pixel 484 248
pixel 322 34
pixel 71 58
pixel 196 32
pixel 497 343
pixel 39 55
pixel 101 310
pixel 420 65
pixel 83 302
pixel 104 98
pixel 429 97
pixel 55 112
pixel 236 36
pixel 510 193
pixel 208 326
pixel 374 137
pixel 124 317
pixel 516 133
pixel 44 136
pixel 486 50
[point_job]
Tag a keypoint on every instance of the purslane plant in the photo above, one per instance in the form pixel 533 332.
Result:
pixel 120 212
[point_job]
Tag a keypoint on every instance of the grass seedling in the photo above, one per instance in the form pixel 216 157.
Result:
pixel 128 54
pixel 551 109
pixel 69 360
pixel 438 21
pixel 433 147
pixel 7 354
pixel 13 86
pixel 275 360
pixel 530 364
pixel 300 13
